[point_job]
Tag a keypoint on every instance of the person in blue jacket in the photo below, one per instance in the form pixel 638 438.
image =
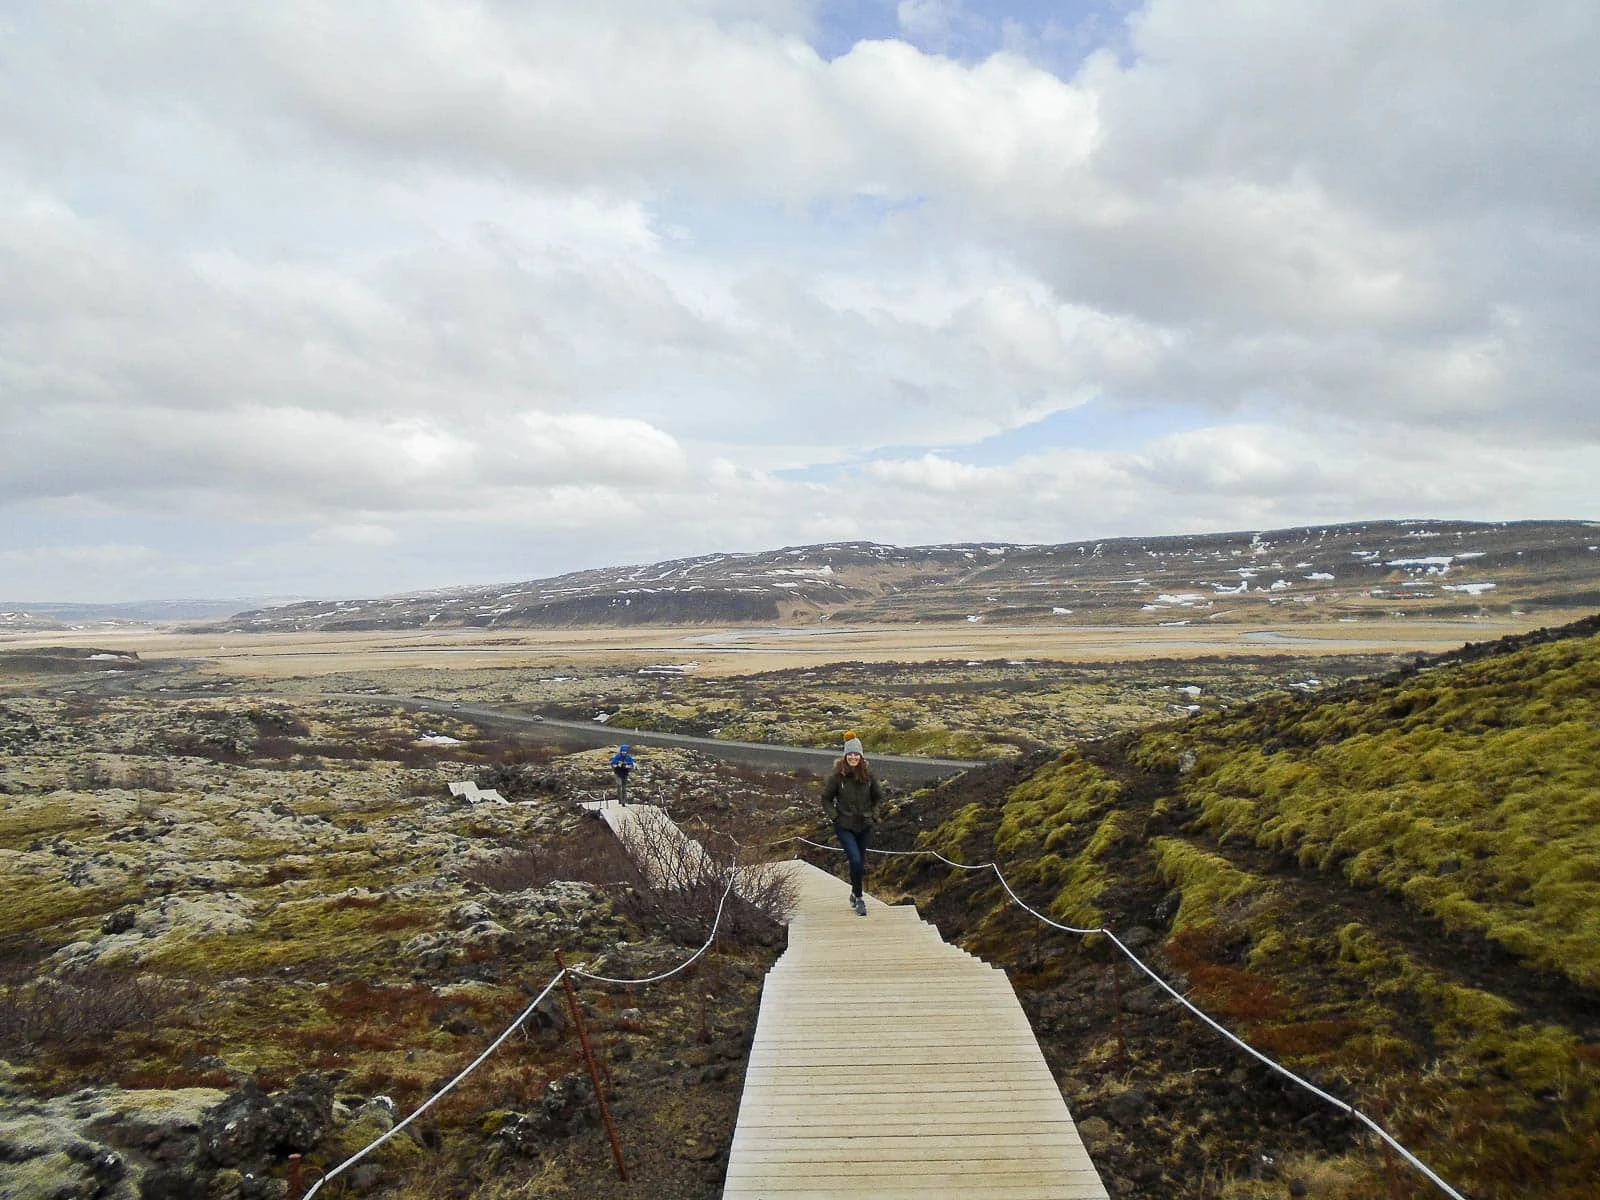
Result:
pixel 621 765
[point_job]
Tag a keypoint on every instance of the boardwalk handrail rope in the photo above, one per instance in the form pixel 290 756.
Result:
pixel 1342 1105
pixel 686 963
pixel 512 1028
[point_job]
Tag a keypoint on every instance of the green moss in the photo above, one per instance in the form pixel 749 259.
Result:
pixel 398 1153
pixel 1212 888
pixel 44 906
pixel 300 932
pixel 1075 879
pixel 24 824
pixel 1270 947
pixel 1473 792
pixel 1075 903
pixel 1053 804
pixel 923 740
pixel 959 837
pixel 1160 753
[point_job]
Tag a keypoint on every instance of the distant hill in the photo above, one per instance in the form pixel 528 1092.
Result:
pixel 1391 886
pixel 1314 573
pixel 17 615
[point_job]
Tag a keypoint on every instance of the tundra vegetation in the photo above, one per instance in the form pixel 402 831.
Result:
pixel 263 900
pixel 1392 886
pixel 278 913
pixel 941 709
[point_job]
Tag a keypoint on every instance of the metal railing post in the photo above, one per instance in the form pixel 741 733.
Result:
pixel 594 1070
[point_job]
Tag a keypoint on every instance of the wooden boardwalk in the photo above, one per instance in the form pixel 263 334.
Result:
pixel 888 1064
pixel 664 853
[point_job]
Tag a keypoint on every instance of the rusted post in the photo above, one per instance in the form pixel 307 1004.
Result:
pixel 594 1070
pixel 1394 1178
pixel 1388 1154
pixel 1116 996
pixel 296 1188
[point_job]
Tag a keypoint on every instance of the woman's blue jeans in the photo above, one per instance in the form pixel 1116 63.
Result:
pixel 855 849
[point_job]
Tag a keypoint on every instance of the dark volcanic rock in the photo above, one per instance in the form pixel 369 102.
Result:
pixel 251 1127
pixel 567 1102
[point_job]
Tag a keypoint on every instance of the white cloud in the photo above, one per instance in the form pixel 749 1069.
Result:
pixel 355 535
pixel 1233 460
pixel 100 558
pixel 410 279
pixel 579 447
pixel 932 473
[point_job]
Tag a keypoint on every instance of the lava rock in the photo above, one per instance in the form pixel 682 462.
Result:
pixel 253 1128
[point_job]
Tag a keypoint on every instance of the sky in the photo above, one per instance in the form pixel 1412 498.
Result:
pixel 338 300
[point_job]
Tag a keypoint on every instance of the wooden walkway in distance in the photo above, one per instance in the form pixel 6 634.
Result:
pixel 888 1064
pixel 663 853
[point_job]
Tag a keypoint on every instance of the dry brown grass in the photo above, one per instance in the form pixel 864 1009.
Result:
pixel 746 649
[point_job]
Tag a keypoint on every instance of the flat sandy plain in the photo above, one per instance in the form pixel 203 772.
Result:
pixel 740 650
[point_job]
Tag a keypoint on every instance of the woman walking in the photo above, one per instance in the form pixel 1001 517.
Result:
pixel 852 798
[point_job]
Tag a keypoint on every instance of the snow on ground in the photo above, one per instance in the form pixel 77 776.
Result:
pixel 1436 564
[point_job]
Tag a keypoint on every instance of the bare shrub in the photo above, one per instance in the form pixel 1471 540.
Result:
pixel 89 775
pixel 590 856
pixel 420 784
pixel 511 750
pixel 684 883
pixel 80 1006
pixel 150 777
pixel 527 776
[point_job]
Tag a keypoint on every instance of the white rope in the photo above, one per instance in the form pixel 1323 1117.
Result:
pixel 433 1099
pixel 685 964
pixel 511 1028
pixel 1171 991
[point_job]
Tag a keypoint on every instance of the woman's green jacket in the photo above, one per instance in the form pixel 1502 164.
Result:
pixel 851 804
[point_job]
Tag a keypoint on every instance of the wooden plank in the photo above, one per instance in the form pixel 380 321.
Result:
pixel 948 1110
pixel 894 1181
pixel 871 1090
pixel 950 1148
pixel 886 1191
pixel 911 1119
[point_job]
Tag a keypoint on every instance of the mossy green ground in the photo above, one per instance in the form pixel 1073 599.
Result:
pixel 1393 888
pixel 1474 792
pixel 951 709
pixel 1359 882
pixel 277 873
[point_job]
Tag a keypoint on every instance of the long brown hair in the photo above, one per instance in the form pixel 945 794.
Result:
pixel 860 773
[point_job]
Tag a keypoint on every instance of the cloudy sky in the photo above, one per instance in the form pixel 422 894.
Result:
pixel 340 299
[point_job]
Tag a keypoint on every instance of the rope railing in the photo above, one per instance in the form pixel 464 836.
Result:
pixel 686 963
pixel 1343 1106
pixel 579 972
pixel 437 1096
pixel 575 972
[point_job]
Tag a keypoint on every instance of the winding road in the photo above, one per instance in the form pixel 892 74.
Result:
pixel 895 768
